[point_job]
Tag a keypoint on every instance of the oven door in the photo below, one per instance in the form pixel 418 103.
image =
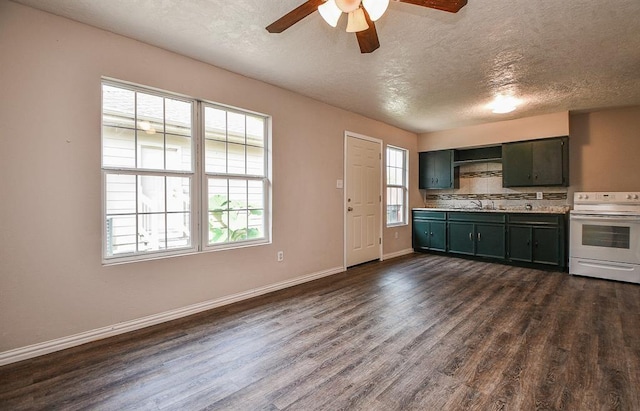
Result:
pixel 605 237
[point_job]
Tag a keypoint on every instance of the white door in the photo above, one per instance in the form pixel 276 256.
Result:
pixel 363 200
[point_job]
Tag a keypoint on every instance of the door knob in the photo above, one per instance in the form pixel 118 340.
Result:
pixel 350 209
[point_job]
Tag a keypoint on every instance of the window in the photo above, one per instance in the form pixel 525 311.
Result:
pixel 397 186
pixel 236 175
pixel 157 194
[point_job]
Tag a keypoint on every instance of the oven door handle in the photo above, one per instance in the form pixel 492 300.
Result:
pixel 592 217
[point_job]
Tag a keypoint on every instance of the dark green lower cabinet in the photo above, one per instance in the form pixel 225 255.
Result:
pixel 484 240
pixel 513 237
pixel 545 245
pixel 490 240
pixel 429 235
pixel 461 238
pixel 520 244
pixel 537 239
pixel 429 230
pixel 538 245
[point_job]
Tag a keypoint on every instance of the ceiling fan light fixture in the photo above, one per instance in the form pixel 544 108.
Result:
pixel 357 22
pixel 375 8
pixel 330 12
pixel 348 5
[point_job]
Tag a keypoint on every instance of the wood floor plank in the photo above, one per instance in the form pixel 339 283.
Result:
pixel 416 332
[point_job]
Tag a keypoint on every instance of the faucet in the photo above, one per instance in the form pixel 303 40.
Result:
pixel 476 203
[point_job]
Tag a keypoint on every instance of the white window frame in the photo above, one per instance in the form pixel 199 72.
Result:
pixel 404 186
pixel 265 178
pixel 199 227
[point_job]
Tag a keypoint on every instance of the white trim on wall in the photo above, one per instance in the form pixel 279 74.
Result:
pixel 397 254
pixel 47 347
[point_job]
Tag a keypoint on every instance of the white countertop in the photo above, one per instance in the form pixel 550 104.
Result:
pixel 538 210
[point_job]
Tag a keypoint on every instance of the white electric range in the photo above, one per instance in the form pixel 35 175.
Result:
pixel 604 238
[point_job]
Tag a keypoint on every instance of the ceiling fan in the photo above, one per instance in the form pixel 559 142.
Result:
pixel 362 14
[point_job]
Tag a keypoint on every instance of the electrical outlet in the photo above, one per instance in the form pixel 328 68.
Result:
pixel 280 256
pixel 539 195
pixel 395 235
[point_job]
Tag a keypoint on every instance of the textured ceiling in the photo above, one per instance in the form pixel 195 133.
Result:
pixel 434 70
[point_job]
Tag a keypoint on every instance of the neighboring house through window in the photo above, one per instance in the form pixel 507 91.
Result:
pixel 397 186
pixel 156 191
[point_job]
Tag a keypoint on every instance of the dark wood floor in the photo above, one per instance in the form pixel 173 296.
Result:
pixel 417 332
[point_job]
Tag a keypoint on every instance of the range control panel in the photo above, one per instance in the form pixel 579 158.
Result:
pixel 606 198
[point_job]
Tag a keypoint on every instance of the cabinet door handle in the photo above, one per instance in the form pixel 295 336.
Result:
pixel 478 236
pixel 436 181
pixel 470 236
pixel 430 233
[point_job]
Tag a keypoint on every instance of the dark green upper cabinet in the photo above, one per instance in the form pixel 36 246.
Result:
pixel 437 170
pixel 532 163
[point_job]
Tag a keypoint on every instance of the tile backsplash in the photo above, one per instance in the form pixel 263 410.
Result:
pixel 483 181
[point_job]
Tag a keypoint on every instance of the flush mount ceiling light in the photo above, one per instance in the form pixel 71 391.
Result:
pixel 362 14
pixel 504 104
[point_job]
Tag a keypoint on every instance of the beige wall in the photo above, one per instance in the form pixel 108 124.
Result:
pixel 528 128
pixel 605 150
pixel 52 283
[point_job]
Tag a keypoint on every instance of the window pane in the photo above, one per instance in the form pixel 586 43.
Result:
pixel 121 194
pixel 150 113
pixel 118 107
pixel 238 225
pixel 237 194
pixel 218 194
pixel 118 147
pixel 218 227
pixel 150 151
pixel 255 194
pixel 236 127
pixel 178 194
pixel 391 176
pixel 236 158
pixel 399 176
pixel 255 131
pixel 215 156
pixel 151 232
pixel 150 194
pixel 256 224
pixel 178 117
pixel 215 124
pixel 395 205
pixel 391 158
pixel 178 230
pixel 120 235
pixel 178 153
pixel 255 161
pixel 399 154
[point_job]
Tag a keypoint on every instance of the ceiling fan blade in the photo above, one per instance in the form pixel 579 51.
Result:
pixel 294 16
pixel 452 6
pixel 368 39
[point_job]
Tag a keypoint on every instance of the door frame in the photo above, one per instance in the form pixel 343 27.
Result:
pixel 347 135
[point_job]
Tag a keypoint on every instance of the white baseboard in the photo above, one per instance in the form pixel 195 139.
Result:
pixel 35 350
pixel 398 253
